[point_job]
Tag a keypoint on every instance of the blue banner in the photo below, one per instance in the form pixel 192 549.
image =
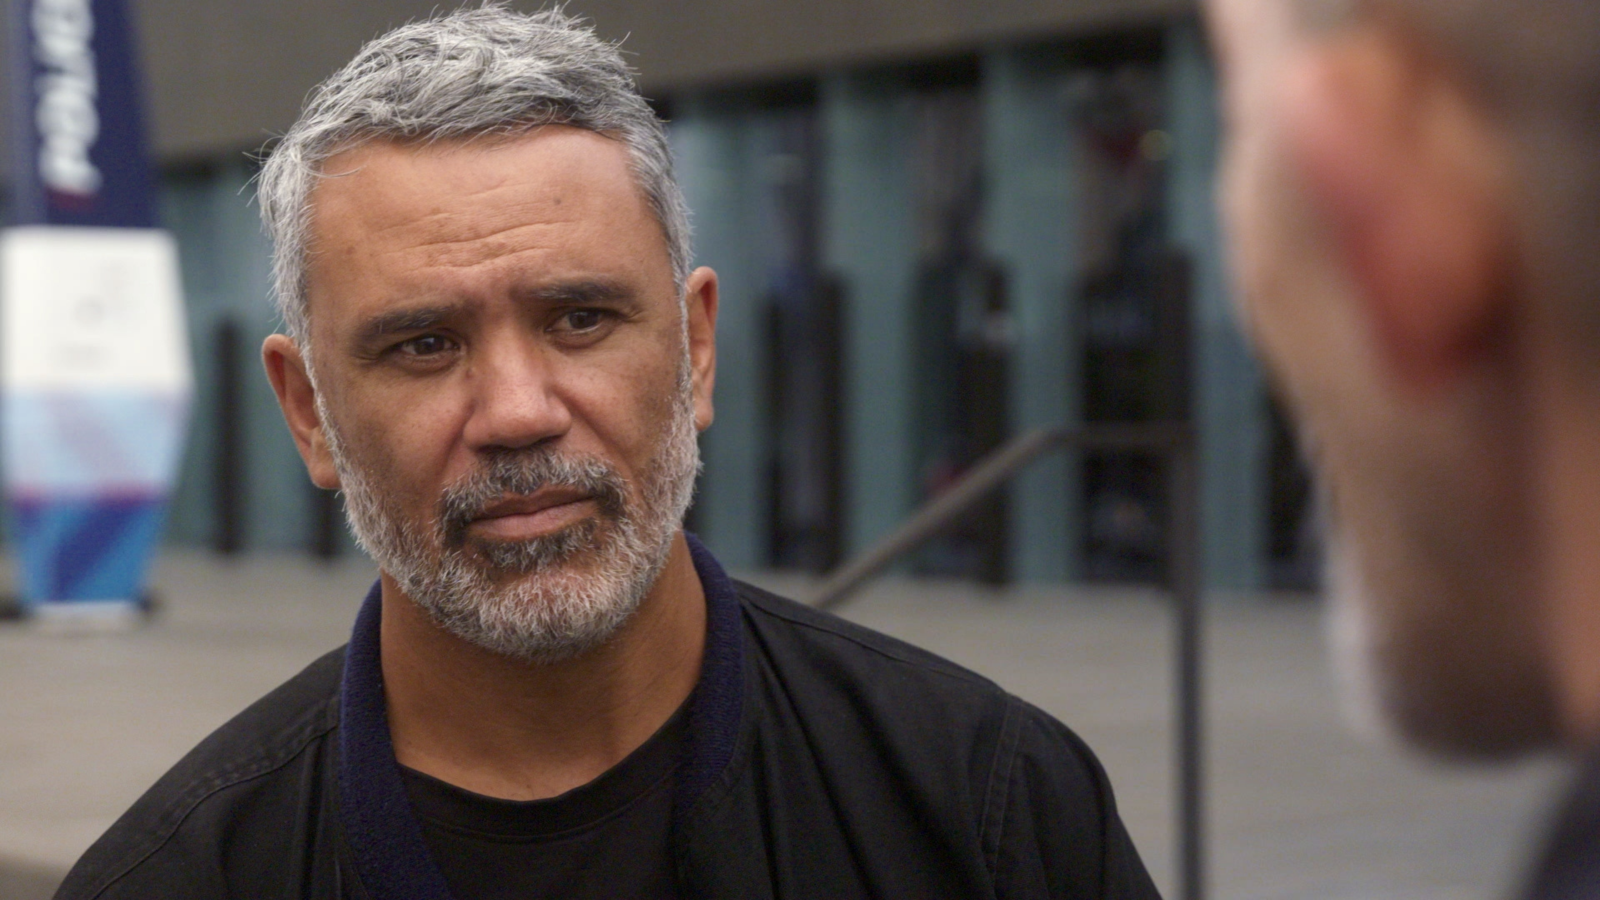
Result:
pixel 94 363
pixel 78 126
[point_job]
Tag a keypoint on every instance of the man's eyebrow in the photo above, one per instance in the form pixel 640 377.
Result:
pixel 402 321
pixel 578 293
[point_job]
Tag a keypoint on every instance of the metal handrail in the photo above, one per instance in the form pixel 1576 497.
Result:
pixel 1174 442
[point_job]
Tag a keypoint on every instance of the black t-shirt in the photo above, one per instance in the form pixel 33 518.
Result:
pixel 606 840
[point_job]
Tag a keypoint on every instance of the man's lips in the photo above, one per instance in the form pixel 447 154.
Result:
pixel 543 512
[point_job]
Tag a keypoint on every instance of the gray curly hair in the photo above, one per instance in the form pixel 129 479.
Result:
pixel 485 71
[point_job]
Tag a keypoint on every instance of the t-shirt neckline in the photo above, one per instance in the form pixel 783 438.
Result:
pixel 586 806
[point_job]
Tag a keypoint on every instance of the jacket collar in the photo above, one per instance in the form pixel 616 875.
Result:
pixel 380 828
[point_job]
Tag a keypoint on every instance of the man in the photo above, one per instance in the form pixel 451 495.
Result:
pixel 496 348
pixel 1412 189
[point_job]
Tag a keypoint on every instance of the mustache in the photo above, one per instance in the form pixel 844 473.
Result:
pixel 521 472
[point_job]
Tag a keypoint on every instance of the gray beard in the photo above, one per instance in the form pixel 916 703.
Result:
pixel 547 599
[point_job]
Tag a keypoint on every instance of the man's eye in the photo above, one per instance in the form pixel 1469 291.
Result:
pixel 427 345
pixel 582 319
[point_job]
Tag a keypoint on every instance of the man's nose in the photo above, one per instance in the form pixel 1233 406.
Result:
pixel 516 396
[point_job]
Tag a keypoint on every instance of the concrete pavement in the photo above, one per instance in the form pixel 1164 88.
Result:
pixel 1299 809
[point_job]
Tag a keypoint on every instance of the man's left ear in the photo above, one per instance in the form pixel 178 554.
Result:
pixel 1405 167
pixel 700 305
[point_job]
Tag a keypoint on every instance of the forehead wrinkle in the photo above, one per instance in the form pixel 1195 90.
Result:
pixel 466 216
pixel 469 251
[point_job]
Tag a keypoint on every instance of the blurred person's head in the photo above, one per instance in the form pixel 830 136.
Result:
pixel 495 346
pixel 1412 189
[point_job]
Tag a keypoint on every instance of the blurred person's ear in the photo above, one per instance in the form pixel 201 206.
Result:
pixel 286 369
pixel 1405 168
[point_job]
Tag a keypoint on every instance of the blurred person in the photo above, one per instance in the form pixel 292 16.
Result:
pixel 1412 191
pixel 497 349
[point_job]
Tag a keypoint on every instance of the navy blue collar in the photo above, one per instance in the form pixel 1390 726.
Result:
pixel 380 828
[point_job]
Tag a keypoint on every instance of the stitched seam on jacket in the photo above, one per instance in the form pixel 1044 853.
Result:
pixel 720 792
pixel 299 737
pixel 948 670
pixel 997 794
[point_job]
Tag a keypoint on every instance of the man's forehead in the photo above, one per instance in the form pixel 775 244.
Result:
pixel 459 202
pixel 554 203
pixel 419 178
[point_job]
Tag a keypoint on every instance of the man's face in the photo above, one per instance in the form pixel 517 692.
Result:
pixel 1429 534
pixel 506 384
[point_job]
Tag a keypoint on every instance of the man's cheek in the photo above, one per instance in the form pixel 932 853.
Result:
pixel 402 451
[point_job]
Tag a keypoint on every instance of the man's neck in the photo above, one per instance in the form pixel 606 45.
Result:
pixel 523 731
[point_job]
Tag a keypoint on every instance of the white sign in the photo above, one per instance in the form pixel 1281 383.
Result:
pixel 91 309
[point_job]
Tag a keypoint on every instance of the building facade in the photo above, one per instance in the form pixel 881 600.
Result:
pixel 938 225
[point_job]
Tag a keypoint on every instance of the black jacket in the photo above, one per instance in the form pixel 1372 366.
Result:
pixel 826 761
